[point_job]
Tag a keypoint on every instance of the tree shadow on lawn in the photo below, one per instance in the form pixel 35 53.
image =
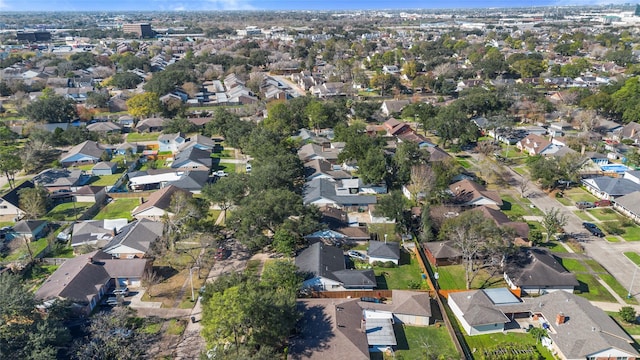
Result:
pixel 401 337
pixel 381 282
pixel 583 287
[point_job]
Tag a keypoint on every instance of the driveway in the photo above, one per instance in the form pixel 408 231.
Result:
pixel 192 344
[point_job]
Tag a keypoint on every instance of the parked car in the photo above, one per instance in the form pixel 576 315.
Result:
pixel 356 255
pixel 585 205
pixel 248 168
pixel 600 203
pixel 121 291
pixel 593 229
pixel 220 173
pixel 112 301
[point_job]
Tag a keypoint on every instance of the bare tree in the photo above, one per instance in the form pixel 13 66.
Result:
pixel 149 279
pixel 423 179
pixel 523 186
pixel 553 222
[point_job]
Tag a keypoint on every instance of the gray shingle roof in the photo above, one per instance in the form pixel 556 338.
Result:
pixel 477 308
pixel 27 226
pixel 192 180
pixel 613 186
pixel 443 249
pixel 631 202
pixel 137 235
pixel 89 148
pixel 537 267
pixel 193 154
pixel 323 188
pixel 328 262
pixel 12 196
pixel 380 249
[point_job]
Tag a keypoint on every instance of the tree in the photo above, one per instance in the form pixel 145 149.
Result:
pixel 538 333
pixel 284 241
pixel 478 239
pixel 125 80
pixel 144 105
pixel 227 191
pixel 385 82
pixel 553 222
pixel 628 314
pixel 51 108
pixel 423 180
pixel 10 164
pixel 149 279
pixel 98 99
pixel 282 274
pixel 407 155
pixel 185 212
pixel 373 168
pixel 523 186
pixel 24 332
pixel 394 207
pixel 34 202
pixel 316 114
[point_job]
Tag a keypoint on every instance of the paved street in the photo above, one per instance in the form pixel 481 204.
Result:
pixel 609 255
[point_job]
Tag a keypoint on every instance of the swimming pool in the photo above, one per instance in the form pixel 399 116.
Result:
pixel 616 168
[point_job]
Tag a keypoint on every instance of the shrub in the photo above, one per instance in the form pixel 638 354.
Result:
pixel 388 264
pixel 628 314
pixel 414 284
pixel 613 229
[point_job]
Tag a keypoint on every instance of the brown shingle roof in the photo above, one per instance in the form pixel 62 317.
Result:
pixel 160 199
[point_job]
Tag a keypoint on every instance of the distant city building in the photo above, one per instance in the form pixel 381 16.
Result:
pixel 143 30
pixel 33 36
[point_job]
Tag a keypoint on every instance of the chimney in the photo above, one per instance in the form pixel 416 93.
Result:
pixel 363 325
pixel 141 200
pixel 560 319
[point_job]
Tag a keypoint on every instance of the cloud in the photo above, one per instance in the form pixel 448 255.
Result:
pixel 229 5
pixel 3 4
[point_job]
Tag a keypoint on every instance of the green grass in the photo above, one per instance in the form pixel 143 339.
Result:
pixel 565 201
pixel 555 246
pixel 452 277
pixel 252 267
pixel 583 215
pixel 22 253
pixel 224 154
pixel 632 233
pixel 591 289
pixel 133 137
pixel 516 209
pixel 226 167
pixel 118 208
pixel 573 265
pixel 595 266
pixel 105 180
pixel 382 229
pixel 618 288
pixel 480 342
pixel 414 342
pixel 67 211
pixel 62 252
pixel 612 239
pixel 151 329
pixel 605 214
pixel 157 164
pixel 579 194
pixel 401 277
pixel 633 256
pixel 176 327
pixel 464 163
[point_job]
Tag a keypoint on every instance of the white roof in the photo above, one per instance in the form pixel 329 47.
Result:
pixel 157 178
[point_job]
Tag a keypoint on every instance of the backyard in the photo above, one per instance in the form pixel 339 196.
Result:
pixel 406 276
pixel 417 342
pixel 67 211
pixel 480 343
pixel 452 277
pixel 134 136
pixel 118 209
pixel 573 195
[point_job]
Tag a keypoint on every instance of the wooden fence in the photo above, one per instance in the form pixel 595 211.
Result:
pixel 353 294
pixel 129 195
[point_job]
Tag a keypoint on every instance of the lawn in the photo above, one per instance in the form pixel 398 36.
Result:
pixel 573 265
pixel 22 253
pixel 591 289
pixel 405 276
pixel 612 239
pixel 578 194
pixel 605 214
pixel 226 167
pixel 224 154
pixel 632 233
pixel 252 268
pixel 105 180
pixel 516 209
pixel 67 211
pixel 382 229
pixel 133 137
pixel 489 341
pixel 464 163
pixel 633 256
pixel 618 288
pixel 583 215
pixel 418 342
pixel 554 246
pixel 117 209
pixel 452 278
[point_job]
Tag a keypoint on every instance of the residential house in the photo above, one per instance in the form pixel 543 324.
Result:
pixel 478 311
pixel 88 152
pixel 150 125
pixel 534 145
pixel 326 270
pixel 90 194
pixel 125 148
pixel 442 253
pixel 55 180
pixel 104 168
pixel 104 127
pixel 171 142
pixel 314 151
pixel 30 229
pixel 395 127
pixel 126 121
pixel 537 272
pixel 10 203
pixel 470 193
pixel 134 240
pixel 192 181
pixel 319 168
pixel 629 205
pixel 633 175
pixel 158 204
pixel 519 229
pixel 193 158
pixel 390 107
pixel 411 308
pixel 85 279
pixel 324 192
pixel 96 233
pixel 390 69
pixel 383 251
pixel 609 188
pixel 200 142
pixel 328 89
pixel 629 131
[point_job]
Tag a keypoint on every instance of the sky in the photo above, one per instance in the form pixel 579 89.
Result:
pixel 195 5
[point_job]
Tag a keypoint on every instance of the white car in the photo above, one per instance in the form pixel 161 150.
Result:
pixel 220 173
pixel 357 255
